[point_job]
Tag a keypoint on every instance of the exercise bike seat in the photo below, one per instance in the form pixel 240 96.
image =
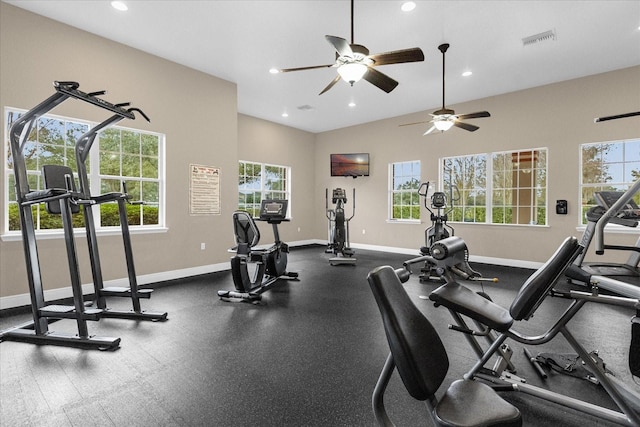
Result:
pixel 246 232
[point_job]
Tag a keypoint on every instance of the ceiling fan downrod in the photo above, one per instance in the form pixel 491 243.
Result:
pixel 443 48
pixel 352 37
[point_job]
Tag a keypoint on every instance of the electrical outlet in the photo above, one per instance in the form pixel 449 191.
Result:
pixel 203 246
pixel 364 231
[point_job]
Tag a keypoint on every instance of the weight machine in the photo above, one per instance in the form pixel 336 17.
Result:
pixel 498 324
pixel 67 200
pixel 134 292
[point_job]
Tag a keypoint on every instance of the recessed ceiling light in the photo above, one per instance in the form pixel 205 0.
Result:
pixel 285 115
pixel 408 6
pixel 466 74
pixel 274 71
pixel 352 104
pixel 119 5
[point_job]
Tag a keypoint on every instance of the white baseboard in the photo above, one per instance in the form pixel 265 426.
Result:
pixel 473 258
pixel 87 288
pixel 61 293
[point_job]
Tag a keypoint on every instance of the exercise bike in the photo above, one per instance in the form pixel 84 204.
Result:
pixel 339 227
pixel 270 263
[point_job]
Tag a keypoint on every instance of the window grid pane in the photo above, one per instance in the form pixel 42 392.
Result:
pixel 404 199
pixel 607 166
pixel 517 187
pixel 258 181
pixel 52 141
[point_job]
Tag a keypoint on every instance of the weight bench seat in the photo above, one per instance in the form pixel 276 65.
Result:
pixel 464 301
pixel 418 354
pixel 472 403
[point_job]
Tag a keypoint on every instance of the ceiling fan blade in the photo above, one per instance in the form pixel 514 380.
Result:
pixel 340 45
pixel 617 116
pixel 398 56
pixel 380 80
pixel 313 67
pixel 431 129
pixel 416 123
pixel 330 85
pixel 475 115
pixel 466 126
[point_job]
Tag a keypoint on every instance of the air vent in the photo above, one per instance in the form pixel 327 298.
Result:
pixel 547 36
pixel 305 107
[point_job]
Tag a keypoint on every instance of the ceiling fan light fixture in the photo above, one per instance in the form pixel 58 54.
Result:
pixel 352 72
pixel 119 5
pixel 443 124
pixel 408 6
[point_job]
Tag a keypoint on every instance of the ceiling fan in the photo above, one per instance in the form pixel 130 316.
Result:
pixel 444 118
pixel 617 116
pixel 354 62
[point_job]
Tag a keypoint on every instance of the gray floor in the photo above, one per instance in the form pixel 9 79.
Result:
pixel 309 355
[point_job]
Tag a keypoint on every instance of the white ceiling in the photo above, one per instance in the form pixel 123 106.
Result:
pixel 240 41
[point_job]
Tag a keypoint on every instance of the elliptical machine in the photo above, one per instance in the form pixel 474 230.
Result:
pixel 439 228
pixel 338 227
pixel 270 263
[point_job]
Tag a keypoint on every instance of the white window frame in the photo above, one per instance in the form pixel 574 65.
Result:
pixel 94 178
pixel 630 161
pixel 412 192
pixel 487 190
pixel 262 187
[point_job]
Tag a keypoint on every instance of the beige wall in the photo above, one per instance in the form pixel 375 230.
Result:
pixel 268 142
pixel 198 114
pixel 558 117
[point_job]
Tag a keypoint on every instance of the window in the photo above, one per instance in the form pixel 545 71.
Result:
pixel 610 166
pixel 258 181
pixel 404 182
pixel 516 193
pixel 467 175
pixel 118 156
pixel 133 158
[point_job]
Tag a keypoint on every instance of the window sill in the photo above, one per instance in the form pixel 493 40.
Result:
pixel 404 221
pixel 59 234
pixel 613 229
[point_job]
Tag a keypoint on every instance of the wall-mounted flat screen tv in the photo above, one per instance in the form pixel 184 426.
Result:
pixel 353 164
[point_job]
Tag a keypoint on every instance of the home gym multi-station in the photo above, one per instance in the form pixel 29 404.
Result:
pixel 297 331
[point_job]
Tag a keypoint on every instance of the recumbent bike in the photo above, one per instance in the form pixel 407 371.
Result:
pixel 270 263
